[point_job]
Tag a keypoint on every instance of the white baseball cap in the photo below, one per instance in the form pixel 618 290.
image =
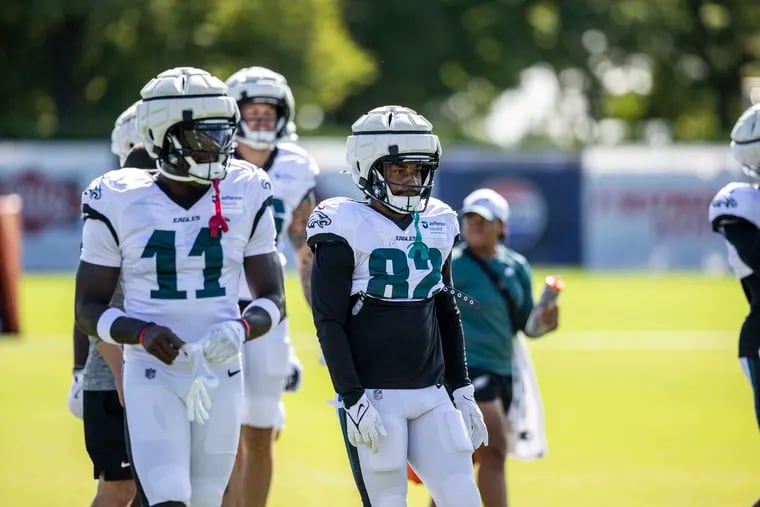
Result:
pixel 487 203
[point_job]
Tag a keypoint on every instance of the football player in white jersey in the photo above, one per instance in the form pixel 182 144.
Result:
pixel 175 242
pixel 270 364
pixel 735 214
pixel 387 318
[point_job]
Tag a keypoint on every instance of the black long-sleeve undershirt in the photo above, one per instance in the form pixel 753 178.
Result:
pixel 745 237
pixel 331 275
pixel 452 335
pixel 402 345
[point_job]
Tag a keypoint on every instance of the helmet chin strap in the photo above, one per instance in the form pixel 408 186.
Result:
pixel 249 137
pixel 418 245
pixel 217 221
pixel 256 145
pixel 175 177
pixel 751 172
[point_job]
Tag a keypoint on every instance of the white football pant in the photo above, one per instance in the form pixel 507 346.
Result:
pixel 266 367
pixel 425 429
pixel 174 459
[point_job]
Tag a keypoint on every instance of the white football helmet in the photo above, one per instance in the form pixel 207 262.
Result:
pixel 262 85
pixel 124 134
pixel 745 141
pixel 392 134
pixel 187 120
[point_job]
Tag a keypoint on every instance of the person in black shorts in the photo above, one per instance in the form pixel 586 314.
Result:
pixel 102 398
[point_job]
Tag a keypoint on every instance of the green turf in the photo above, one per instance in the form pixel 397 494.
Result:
pixel 645 403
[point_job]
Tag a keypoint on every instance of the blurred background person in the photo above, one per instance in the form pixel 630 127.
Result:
pixel 263 138
pixel 499 279
pixel 735 215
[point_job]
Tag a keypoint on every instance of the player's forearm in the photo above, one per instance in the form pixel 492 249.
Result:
pixel 81 347
pixel 304 257
pixel 122 330
pixel 331 303
pixel 304 270
pixel 340 362
pixel 264 313
pixel 452 334
pixel 452 341
pixel 112 355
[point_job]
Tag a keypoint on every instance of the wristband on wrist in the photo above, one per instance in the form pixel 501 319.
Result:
pixel 141 334
pixel 105 321
pixel 247 328
pixel 268 306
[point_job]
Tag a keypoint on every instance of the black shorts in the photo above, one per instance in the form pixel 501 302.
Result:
pixel 104 435
pixel 490 386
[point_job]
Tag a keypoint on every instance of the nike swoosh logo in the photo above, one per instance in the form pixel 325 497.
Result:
pixel 359 414
pixel 232 373
pixel 125 464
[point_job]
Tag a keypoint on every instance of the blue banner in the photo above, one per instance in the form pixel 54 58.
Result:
pixel 543 191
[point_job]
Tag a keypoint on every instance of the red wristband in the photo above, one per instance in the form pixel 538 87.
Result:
pixel 141 334
pixel 247 328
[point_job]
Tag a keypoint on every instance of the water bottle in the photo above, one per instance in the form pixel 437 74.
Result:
pixel 553 285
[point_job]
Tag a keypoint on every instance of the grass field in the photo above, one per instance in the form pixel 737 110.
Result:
pixel 644 399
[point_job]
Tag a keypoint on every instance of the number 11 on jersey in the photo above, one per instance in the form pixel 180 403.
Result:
pixel 161 245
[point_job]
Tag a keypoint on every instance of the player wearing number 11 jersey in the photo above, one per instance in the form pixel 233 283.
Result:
pixel 176 242
pixel 390 333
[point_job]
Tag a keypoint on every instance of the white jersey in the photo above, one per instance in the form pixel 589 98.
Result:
pixel 174 272
pixel 735 200
pixel 387 264
pixel 293 173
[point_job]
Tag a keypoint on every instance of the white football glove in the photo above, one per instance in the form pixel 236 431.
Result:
pixel 223 341
pixel 464 399
pixel 363 424
pixel 293 382
pixel 197 401
pixel 76 403
pixel 745 138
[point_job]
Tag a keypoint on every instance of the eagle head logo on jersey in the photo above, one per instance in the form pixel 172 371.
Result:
pixel 393 134
pixel 318 219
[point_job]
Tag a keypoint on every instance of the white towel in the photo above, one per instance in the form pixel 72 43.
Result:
pixel 527 436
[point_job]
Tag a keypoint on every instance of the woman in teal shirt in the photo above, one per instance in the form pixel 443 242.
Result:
pixel 499 279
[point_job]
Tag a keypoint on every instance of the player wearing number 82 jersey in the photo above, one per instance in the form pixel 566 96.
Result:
pixel 392 287
pixel 390 334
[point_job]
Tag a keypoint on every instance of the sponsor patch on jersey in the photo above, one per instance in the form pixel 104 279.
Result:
pixel 433 225
pixel 231 203
pixel 150 373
